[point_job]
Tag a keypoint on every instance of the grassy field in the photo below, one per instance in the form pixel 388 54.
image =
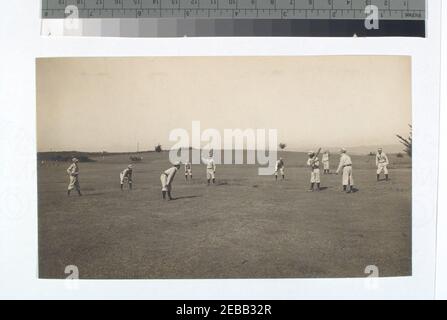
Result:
pixel 246 226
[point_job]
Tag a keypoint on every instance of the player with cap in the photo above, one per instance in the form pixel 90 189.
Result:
pixel 381 163
pixel 166 178
pixel 314 165
pixel 73 173
pixel 346 167
pixel 279 167
pixel 126 176
pixel 188 170
pixel 210 168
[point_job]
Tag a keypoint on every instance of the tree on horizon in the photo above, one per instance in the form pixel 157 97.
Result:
pixel 407 142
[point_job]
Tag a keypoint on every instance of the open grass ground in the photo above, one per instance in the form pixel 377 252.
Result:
pixel 246 226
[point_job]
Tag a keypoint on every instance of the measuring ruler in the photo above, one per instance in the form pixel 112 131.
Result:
pixel 236 9
pixel 398 17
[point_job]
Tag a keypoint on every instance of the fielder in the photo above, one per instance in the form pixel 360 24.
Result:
pixel 314 164
pixel 166 179
pixel 210 170
pixel 325 160
pixel 382 164
pixel 188 170
pixel 279 167
pixel 126 176
pixel 346 166
pixel 73 173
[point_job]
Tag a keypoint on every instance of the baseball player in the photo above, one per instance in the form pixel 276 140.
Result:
pixel 279 167
pixel 166 178
pixel 126 176
pixel 325 160
pixel 188 170
pixel 314 165
pixel 382 164
pixel 73 173
pixel 346 166
pixel 210 170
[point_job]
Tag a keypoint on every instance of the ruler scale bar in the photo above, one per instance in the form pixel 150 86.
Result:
pixel 275 9
pixel 233 13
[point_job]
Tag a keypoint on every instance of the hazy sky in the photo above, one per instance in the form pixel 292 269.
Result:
pixel 96 104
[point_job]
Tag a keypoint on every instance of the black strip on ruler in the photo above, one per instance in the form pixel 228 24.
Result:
pixel 312 28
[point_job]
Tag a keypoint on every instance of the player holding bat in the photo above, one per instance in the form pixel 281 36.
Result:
pixel 126 176
pixel 314 163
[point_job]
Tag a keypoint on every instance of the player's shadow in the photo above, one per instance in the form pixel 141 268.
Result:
pixel 323 188
pixel 184 197
pixel 93 194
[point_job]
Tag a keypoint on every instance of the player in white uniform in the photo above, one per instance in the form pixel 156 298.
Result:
pixel 166 178
pixel 279 167
pixel 210 170
pixel 188 170
pixel 346 166
pixel 73 173
pixel 382 164
pixel 314 165
pixel 325 160
pixel 126 176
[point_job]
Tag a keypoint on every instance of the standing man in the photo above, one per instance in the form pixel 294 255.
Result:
pixel 382 164
pixel 188 170
pixel 73 173
pixel 314 165
pixel 279 167
pixel 325 160
pixel 166 178
pixel 126 176
pixel 346 166
pixel 210 169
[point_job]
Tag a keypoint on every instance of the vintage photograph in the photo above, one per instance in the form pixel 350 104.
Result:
pixel 224 167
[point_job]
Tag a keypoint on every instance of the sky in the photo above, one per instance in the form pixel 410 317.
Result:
pixel 113 104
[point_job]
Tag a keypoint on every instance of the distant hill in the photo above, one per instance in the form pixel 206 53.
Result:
pixel 361 150
pixel 391 148
pixel 87 156
pixel 66 156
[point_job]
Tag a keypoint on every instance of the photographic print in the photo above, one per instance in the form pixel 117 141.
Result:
pixel 224 167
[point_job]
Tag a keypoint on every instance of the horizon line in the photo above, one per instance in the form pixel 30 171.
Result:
pixel 190 148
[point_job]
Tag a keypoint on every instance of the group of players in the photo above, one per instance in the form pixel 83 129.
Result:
pixel 313 162
pixel 345 167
